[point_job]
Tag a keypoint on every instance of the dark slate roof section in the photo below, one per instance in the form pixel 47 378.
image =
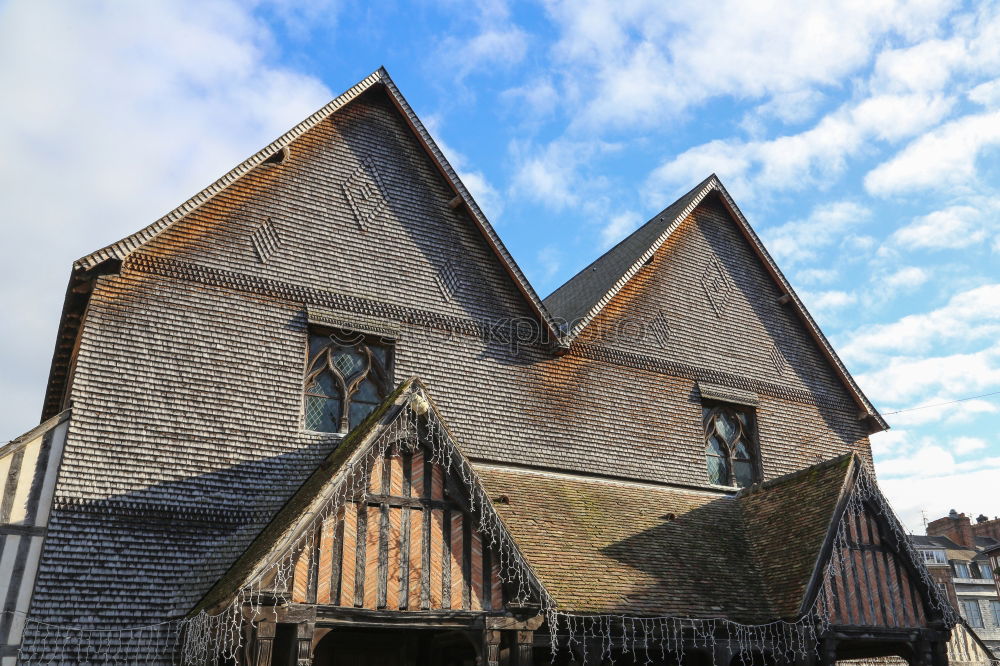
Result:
pixel 933 542
pixel 654 550
pixel 788 521
pixel 582 297
pixel 594 286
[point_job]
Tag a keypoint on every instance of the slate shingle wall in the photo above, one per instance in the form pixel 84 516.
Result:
pixel 186 433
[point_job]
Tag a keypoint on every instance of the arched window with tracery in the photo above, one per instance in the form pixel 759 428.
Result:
pixel 730 451
pixel 347 377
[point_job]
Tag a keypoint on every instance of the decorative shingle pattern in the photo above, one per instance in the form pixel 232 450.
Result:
pixel 265 240
pixel 366 194
pixel 718 286
pixel 448 280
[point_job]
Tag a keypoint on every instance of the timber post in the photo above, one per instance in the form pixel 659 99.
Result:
pixel 828 656
pixel 493 647
pixel 525 645
pixel 304 638
pixel 265 643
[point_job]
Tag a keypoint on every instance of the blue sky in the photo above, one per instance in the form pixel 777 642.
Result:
pixel 861 139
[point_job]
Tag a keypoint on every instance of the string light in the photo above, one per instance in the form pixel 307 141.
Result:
pixel 206 637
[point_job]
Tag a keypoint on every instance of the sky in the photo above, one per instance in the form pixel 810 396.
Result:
pixel 860 138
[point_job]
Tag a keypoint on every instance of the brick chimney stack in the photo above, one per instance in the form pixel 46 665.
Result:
pixel 956 526
pixel 987 528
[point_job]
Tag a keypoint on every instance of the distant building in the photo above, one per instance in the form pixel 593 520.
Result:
pixel 963 559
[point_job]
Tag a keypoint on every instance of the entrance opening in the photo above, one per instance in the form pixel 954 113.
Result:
pixel 396 647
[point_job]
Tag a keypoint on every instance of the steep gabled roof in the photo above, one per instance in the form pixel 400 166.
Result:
pixel 575 304
pixel 122 248
pixel 85 267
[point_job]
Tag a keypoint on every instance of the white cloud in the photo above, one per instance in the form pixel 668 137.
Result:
pixel 950 228
pixel 937 409
pixel 824 303
pixel 968 316
pixel 800 240
pixel 550 174
pixel 160 107
pixel 987 94
pixel 905 278
pixel 924 67
pixel 903 378
pixel 817 275
pixel 643 62
pixel 942 158
pixel 929 482
pixel 537 99
pixel 812 157
pixel 963 445
pixel 497 42
pixel 619 227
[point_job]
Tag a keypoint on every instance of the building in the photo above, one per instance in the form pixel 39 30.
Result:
pixel 958 555
pixel 317 415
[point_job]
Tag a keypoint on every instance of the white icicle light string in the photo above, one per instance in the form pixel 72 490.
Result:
pixel 203 638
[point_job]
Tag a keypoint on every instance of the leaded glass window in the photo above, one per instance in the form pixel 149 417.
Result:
pixel 729 445
pixel 347 377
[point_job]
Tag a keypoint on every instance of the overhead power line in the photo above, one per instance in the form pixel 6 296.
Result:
pixel 942 404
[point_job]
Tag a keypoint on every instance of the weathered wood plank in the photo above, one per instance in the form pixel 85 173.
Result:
pixel 325 566
pixel 475 569
pixel 457 592
pixel 404 553
pixel 349 559
pixel 436 549
pixel 425 559
pixel 396 476
pixel 300 577
pixel 337 557
pixel 394 557
pixel 496 587
pixel 416 556
pixel 361 555
pixel 446 560
pixel 372 557
pixel 437 482
pixel 375 480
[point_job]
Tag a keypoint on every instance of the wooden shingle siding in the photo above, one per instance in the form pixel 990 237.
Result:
pixel 444 567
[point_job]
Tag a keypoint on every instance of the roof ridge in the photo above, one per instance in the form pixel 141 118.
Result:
pixel 655 218
pixel 797 474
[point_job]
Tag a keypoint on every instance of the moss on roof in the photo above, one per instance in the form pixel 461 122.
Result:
pixel 612 547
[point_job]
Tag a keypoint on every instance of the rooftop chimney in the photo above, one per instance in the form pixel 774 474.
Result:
pixel 955 526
